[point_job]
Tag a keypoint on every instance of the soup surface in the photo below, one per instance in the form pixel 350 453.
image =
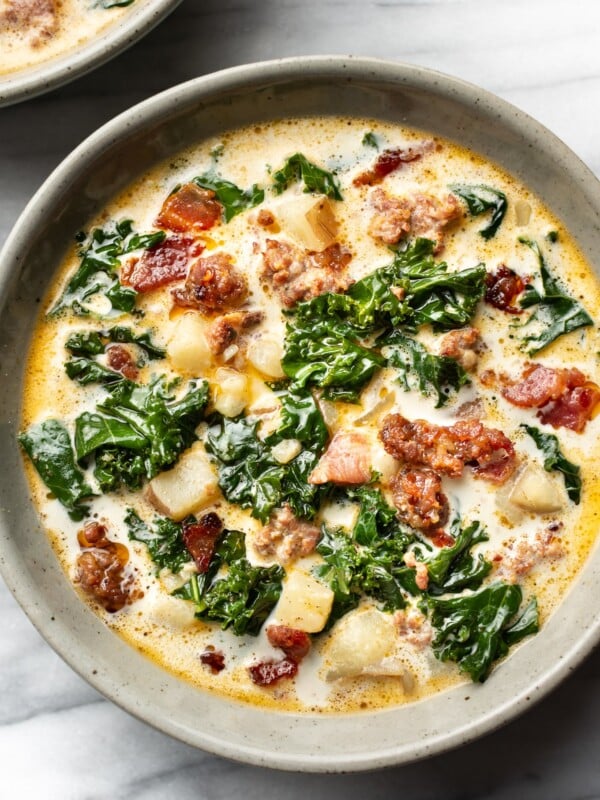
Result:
pixel 35 31
pixel 310 414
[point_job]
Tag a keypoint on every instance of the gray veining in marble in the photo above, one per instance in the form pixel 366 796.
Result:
pixel 58 737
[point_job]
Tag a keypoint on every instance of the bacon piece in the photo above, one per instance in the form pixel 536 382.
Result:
pixel 101 569
pixel 212 284
pixel 347 461
pixel 502 288
pixel 213 659
pixel 489 453
pixel 440 538
pixel 266 673
pixel 564 396
pixel 420 215
pixel 164 263
pixel 190 208
pixel 294 643
pixel 297 274
pixel 388 161
pixel 37 17
pixel 286 537
pixel 226 329
pixel 419 498
pixel 461 345
pixel 200 539
pixel 120 359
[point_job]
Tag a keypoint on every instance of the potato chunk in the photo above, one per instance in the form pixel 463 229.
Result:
pixel 305 603
pixel 360 642
pixel 534 491
pixel 188 349
pixel 310 220
pixel 188 487
pixel 230 392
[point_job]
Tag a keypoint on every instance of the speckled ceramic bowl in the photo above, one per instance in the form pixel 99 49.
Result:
pixel 139 20
pixel 101 166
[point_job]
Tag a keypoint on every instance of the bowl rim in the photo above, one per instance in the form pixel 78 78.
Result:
pixel 140 117
pixel 24 84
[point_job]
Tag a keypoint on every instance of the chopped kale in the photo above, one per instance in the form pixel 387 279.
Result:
pixel 370 140
pixel 97 272
pixel 315 179
pixel 48 445
pixel 420 370
pixel 480 199
pixel 455 568
pixel 164 540
pixel 555 460
pixel 556 312
pixel 233 199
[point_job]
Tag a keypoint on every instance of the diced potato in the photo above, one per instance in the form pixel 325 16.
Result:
pixel 305 603
pixel 360 642
pixel 286 450
pixel 534 491
pixel 309 219
pixel 188 487
pixel 231 392
pixel 188 349
pixel 265 355
pixel 172 613
pixel 522 213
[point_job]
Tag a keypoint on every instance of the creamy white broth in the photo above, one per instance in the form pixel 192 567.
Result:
pixel 163 627
pixel 35 31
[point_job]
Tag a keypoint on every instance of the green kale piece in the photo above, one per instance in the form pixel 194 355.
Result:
pixel 97 272
pixel 420 370
pixel 164 540
pixel 556 460
pixel 480 199
pixel 455 568
pixel 476 629
pixel 138 431
pixel 315 179
pixel 233 592
pixel 556 312
pixel 370 140
pixel 48 445
pixel 233 199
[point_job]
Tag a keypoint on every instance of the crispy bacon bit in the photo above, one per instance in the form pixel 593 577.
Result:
pixel 502 289
pixel 413 627
pixel 347 461
pixel 200 539
pixel 440 538
pixel 564 397
pixel 265 218
pixel 294 643
pixel 190 208
pixel 164 263
pixel 226 329
pixel 297 274
pixel 101 569
pixel 266 673
pixel 419 498
pixel 36 17
pixel 212 284
pixel 120 359
pixel 213 659
pixel 419 215
pixel 447 450
pixel 421 572
pixel 286 537
pixel 520 556
pixel 461 345
pixel 388 161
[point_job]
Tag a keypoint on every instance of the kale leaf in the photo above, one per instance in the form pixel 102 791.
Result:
pixel 137 431
pixel 370 140
pixel 555 460
pixel 97 272
pixel 233 199
pixel 476 629
pixel 240 597
pixel 48 445
pixel 315 179
pixel 455 568
pixel 164 540
pixel 423 371
pixel 556 314
pixel 480 199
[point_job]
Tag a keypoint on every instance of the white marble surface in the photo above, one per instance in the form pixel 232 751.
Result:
pixel 58 737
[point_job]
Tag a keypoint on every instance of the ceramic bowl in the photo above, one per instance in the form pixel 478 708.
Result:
pixel 109 160
pixel 137 22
